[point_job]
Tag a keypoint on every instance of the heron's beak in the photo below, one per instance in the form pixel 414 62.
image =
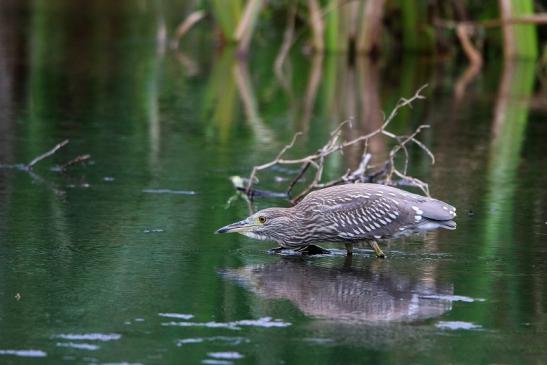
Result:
pixel 241 226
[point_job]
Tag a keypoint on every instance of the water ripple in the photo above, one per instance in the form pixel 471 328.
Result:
pixel 457 325
pixel 78 345
pixel 90 336
pixel 176 315
pixel 24 353
pixel 169 191
pixel 265 322
pixel 234 341
pixel 225 355
pixel 453 298
pixel 216 362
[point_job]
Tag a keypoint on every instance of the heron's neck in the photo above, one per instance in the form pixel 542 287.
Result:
pixel 293 229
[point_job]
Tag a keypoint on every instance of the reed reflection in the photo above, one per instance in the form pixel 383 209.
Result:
pixel 230 90
pixel 356 291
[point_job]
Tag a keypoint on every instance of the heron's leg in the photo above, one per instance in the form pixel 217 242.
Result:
pixel 349 249
pixel 347 262
pixel 377 249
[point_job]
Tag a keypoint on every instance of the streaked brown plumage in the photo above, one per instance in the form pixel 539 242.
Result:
pixel 348 214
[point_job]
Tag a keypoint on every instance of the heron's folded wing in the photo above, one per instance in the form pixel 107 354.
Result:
pixel 366 216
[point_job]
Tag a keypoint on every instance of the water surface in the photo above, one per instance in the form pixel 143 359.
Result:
pixel 115 261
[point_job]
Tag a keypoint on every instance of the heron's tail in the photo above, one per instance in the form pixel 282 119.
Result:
pixel 448 224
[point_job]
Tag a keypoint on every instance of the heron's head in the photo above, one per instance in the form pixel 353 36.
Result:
pixel 267 224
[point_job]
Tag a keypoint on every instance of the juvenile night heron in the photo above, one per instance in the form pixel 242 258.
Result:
pixel 349 214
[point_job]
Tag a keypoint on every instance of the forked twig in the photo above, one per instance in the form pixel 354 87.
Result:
pixel 28 168
pixel 276 161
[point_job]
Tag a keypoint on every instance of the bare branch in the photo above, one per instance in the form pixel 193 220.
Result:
pixel 76 160
pixel 276 161
pixel 338 129
pixel 412 138
pixel 31 164
pixel 362 173
pixel 297 178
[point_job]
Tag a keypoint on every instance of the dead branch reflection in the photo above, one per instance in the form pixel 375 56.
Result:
pixel 358 290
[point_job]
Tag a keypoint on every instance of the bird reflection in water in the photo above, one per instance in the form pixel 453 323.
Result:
pixel 360 290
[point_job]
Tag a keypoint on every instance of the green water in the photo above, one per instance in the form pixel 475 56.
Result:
pixel 96 267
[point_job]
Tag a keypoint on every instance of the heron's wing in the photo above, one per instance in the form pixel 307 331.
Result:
pixel 361 216
pixel 368 210
pixel 352 193
pixel 430 208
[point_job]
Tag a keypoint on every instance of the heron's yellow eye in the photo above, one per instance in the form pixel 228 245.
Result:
pixel 262 219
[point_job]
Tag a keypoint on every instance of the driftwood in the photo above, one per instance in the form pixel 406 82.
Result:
pixel 388 173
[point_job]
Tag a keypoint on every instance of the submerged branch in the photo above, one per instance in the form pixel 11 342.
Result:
pixel 28 168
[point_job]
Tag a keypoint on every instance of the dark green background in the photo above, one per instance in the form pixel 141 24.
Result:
pixel 76 247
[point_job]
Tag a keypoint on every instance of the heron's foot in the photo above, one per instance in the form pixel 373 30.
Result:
pixel 349 249
pixel 312 250
pixel 379 253
pixel 276 250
